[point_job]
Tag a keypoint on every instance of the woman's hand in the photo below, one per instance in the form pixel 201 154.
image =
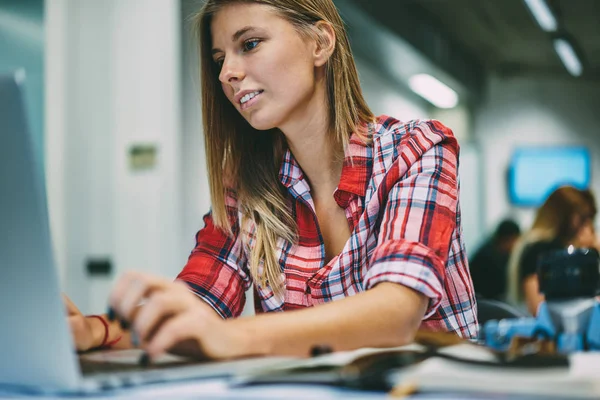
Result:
pixel 81 327
pixel 167 316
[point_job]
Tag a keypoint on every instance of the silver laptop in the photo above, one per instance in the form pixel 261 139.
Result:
pixel 36 348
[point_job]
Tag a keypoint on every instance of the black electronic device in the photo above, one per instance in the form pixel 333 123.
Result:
pixel 569 273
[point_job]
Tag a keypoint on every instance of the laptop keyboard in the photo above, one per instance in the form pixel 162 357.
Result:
pixel 89 367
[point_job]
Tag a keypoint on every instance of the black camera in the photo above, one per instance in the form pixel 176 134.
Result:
pixel 569 273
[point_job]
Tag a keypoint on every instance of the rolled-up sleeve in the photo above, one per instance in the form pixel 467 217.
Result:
pixel 419 196
pixel 217 268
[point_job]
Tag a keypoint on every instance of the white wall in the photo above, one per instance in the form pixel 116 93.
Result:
pixel 530 111
pixel 55 125
pixel 196 193
pixel 113 80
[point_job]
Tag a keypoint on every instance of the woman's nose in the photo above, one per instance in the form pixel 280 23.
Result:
pixel 231 71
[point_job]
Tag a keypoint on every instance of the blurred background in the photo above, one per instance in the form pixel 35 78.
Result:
pixel 112 96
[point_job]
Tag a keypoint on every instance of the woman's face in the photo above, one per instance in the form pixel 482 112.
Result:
pixel 586 235
pixel 267 70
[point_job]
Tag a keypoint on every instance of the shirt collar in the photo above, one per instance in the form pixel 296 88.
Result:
pixel 290 172
pixel 356 170
pixel 357 167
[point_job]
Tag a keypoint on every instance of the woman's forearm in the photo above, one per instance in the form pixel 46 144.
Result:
pixel 533 297
pixel 387 315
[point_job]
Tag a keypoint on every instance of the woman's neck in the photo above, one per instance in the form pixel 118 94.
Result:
pixel 320 162
pixel 310 140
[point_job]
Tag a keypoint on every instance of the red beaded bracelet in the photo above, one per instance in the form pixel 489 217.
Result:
pixel 113 342
pixel 105 329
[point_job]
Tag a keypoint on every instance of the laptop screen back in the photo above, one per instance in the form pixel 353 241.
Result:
pixel 35 343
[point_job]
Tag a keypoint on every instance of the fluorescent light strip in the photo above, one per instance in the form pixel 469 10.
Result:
pixel 568 56
pixel 433 91
pixel 542 14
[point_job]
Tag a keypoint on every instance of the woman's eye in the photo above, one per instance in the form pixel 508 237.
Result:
pixel 219 63
pixel 250 44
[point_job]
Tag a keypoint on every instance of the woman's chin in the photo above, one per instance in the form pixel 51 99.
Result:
pixel 260 124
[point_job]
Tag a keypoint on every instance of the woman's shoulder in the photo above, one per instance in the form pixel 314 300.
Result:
pixel 532 252
pixel 394 139
pixel 419 133
pixel 386 125
pixel 540 246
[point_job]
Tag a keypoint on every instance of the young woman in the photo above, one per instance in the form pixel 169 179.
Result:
pixel 314 201
pixel 566 218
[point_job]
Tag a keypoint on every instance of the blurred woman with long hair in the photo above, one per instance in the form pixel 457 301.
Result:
pixel 566 218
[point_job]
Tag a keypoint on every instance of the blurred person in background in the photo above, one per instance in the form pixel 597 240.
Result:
pixel 489 264
pixel 346 222
pixel 566 218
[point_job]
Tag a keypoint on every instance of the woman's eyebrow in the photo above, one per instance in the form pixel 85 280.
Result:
pixel 235 36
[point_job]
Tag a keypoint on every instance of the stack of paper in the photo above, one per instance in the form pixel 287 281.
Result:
pixel 581 379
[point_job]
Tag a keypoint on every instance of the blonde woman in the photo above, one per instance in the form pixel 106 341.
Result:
pixel 566 218
pixel 346 222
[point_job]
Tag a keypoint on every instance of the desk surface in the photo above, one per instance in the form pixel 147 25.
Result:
pixel 582 377
pixel 219 389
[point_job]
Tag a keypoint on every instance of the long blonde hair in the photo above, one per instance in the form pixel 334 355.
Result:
pixel 247 161
pixel 558 219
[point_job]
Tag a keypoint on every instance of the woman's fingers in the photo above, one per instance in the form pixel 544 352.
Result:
pixel 165 314
pixel 80 328
pixel 71 307
pixel 136 292
pixel 131 289
pixel 159 306
pixel 175 330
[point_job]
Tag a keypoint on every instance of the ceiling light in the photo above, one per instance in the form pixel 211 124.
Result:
pixel 568 56
pixel 433 91
pixel 542 14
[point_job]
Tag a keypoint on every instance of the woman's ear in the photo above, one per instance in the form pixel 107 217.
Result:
pixel 325 40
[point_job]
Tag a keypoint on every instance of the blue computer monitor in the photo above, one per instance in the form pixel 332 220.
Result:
pixel 537 171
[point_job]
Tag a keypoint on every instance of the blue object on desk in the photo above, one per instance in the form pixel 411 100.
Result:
pixel 570 316
pixel 581 331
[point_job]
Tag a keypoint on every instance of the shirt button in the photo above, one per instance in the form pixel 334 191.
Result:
pixel 308 290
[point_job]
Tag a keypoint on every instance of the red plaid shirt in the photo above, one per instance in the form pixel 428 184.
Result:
pixel 400 194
